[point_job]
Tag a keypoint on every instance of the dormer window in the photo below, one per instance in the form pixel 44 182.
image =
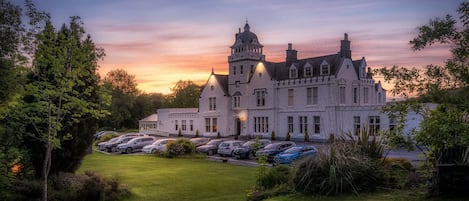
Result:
pixel 325 68
pixel 308 70
pixel 293 72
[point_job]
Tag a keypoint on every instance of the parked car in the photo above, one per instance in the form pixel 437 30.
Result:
pixel 294 153
pixel 135 144
pixel 102 145
pixel 112 146
pixel 199 141
pixel 99 134
pixel 210 148
pixel 247 150
pixel 227 148
pixel 273 149
pixel 157 146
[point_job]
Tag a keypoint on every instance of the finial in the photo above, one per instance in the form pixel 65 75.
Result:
pixel 212 71
pixel 246 20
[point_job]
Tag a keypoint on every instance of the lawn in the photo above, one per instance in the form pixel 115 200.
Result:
pixel 153 178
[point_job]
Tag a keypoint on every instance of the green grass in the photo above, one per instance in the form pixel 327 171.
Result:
pixel 153 178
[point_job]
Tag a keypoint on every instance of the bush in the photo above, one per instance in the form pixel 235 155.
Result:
pixel 197 133
pixel 275 176
pixel 337 172
pixel 67 186
pixel 400 163
pixel 272 135
pixel 218 135
pixel 180 147
pixel 306 136
pixel 287 137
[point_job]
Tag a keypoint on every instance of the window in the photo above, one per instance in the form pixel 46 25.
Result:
pixel 183 125
pixel 212 101
pixel 373 127
pixel 308 72
pixel 303 124
pixel 214 125
pixel 392 123
pixel 234 70
pixel 325 69
pixel 252 68
pixel 309 96
pixel 317 125
pixel 356 124
pixel 260 97
pixel 261 124
pixel 355 95
pixel 315 95
pixel 237 84
pixel 191 125
pixel 241 69
pixel 211 125
pixel 176 125
pixel 293 73
pixel 342 95
pixel 290 97
pixel 365 95
pixel 290 124
pixel 236 101
pixel 207 125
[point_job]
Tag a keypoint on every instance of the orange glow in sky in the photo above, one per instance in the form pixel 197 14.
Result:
pixel 161 42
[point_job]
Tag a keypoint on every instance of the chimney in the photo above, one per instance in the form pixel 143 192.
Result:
pixel 345 47
pixel 291 54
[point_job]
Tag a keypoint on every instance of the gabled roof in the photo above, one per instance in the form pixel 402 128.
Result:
pixel 223 81
pixel 280 71
pixel 153 117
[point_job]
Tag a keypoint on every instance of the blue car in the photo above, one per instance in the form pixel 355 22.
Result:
pixel 293 153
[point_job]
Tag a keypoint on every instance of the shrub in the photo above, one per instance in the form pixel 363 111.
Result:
pixel 306 136
pixel 218 135
pixel 67 186
pixel 180 147
pixel 275 176
pixel 402 163
pixel 179 133
pixel 337 172
pixel 272 135
pixel 197 133
pixel 287 136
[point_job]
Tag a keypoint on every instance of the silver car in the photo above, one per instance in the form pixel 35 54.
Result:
pixel 227 148
pixel 135 144
pixel 157 146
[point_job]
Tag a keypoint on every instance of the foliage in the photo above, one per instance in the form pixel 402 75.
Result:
pixel 403 163
pixel 185 94
pixel 306 136
pixel 364 144
pixel 180 147
pixel 179 133
pixel 443 131
pixel 274 176
pixel 218 135
pixel 197 133
pixel 66 186
pixel 287 136
pixel 272 135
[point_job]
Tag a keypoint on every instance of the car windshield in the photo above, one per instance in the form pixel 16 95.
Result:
pixel 292 150
pixel 272 146
pixel 224 145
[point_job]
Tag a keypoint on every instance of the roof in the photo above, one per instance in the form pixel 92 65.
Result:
pixel 280 71
pixel 153 117
pixel 246 38
pixel 223 81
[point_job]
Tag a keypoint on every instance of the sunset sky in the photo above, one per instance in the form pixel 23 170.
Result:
pixel 161 42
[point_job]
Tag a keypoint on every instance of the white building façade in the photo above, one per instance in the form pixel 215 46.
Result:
pixel 324 95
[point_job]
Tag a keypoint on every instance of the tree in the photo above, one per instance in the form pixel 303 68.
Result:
pixel 123 89
pixel 61 98
pixel 445 130
pixel 185 94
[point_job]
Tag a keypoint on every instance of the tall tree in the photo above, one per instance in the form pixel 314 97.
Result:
pixel 185 94
pixel 123 89
pixel 61 98
pixel 444 130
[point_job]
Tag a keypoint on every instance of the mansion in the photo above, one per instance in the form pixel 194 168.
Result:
pixel 320 96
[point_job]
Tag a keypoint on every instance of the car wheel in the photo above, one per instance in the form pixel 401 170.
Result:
pixel 210 152
pixel 153 151
pixel 232 152
pixel 128 150
pixel 113 149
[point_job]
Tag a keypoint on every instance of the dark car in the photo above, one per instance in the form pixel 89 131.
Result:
pixel 210 148
pixel 273 149
pixel 112 146
pixel 249 148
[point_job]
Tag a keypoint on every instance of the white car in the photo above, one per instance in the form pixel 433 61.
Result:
pixel 228 147
pixel 157 146
pixel 135 144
